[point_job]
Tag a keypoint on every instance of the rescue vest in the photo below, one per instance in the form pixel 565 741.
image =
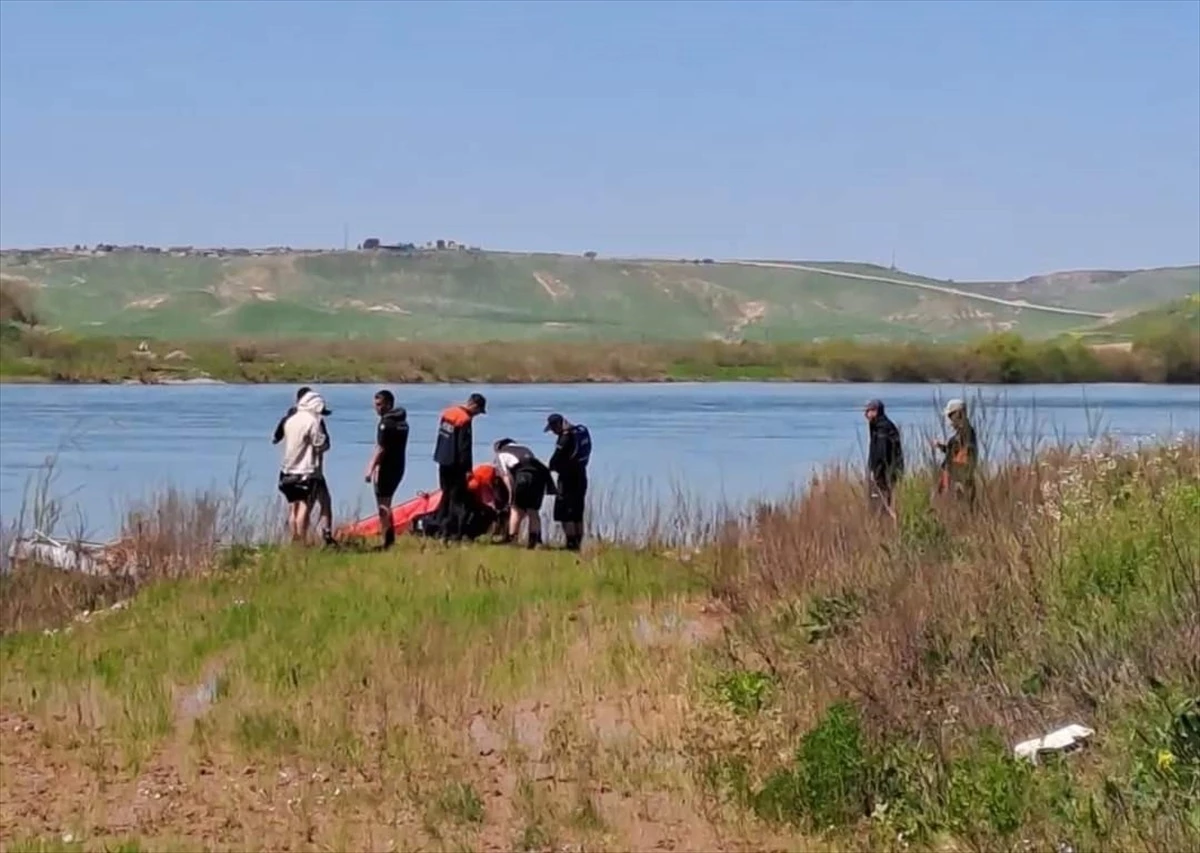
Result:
pixel 582 452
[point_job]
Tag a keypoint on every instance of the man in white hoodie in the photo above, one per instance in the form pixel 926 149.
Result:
pixel 301 473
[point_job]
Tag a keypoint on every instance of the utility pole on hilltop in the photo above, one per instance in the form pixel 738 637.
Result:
pixel 345 236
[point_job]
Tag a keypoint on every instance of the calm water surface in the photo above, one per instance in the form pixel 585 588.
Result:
pixel 718 442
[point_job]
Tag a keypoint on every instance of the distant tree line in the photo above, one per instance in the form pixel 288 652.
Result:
pixel 441 245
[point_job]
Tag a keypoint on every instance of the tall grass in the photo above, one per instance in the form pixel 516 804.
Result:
pixel 169 535
pixel 903 657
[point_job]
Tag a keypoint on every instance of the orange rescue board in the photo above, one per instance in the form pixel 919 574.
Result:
pixel 402 517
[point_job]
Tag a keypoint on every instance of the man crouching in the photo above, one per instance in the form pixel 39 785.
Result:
pixel 527 480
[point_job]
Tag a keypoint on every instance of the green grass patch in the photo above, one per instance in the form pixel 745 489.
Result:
pixel 295 625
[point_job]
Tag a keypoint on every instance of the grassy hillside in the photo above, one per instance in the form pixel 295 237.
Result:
pixel 459 295
pixel 1178 318
pixel 812 678
pixel 1120 292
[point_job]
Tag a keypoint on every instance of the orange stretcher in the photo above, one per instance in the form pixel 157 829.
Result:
pixel 402 517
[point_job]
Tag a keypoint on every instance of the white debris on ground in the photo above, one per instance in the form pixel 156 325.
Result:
pixel 89 558
pixel 1066 739
pixel 88 615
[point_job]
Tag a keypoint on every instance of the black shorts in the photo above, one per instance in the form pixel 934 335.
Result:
pixel 301 488
pixel 386 484
pixel 529 490
pixel 569 505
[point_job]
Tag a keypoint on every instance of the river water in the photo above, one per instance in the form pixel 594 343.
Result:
pixel 713 442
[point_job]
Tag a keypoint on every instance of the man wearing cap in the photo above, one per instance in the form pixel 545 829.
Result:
pixel 961 454
pixel 885 456
pixel 572 452
pixel 453 453
pixel 301 471
pixel 300 394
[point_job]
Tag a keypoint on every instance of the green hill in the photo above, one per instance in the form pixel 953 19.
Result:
pixel 1176 318
pixel 473 295
pixel 1120 292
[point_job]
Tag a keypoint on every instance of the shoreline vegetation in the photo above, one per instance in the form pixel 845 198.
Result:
pixel 36 356
pixel 804 674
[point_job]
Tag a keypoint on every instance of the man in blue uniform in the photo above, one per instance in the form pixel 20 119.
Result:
pixel 572 452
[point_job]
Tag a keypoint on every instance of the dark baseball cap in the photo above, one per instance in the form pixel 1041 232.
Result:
pixel 554 422
pixel 479 402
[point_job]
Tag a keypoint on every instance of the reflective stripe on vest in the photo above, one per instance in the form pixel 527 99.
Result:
pixel 583 444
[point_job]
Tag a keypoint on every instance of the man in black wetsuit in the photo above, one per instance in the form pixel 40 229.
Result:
pixel 385 471
pixel 572 452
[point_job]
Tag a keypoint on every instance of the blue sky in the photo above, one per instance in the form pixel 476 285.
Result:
pixel 974 139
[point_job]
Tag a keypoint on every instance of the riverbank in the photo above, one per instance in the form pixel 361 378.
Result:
pixel 810 677
pixel 40 357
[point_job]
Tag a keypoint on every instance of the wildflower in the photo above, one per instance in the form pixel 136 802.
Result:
pixel 1166 760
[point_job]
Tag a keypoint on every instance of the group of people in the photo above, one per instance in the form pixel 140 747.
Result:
pixel 502 496
pixel 885 456
pixel 506 494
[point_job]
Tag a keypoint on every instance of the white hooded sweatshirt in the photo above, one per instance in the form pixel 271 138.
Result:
pixel 304 440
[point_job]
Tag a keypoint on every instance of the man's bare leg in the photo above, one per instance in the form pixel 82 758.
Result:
pixel 300 522
pixel 514 524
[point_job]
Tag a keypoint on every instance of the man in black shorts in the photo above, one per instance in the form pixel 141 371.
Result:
pixel 572 452
pixel 386 468
pixel 527 480
pixel 301 470
pixel 320 489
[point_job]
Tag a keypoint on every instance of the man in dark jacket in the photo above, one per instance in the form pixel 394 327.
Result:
pixel 572 452
pixel 885 456
pixel 453 452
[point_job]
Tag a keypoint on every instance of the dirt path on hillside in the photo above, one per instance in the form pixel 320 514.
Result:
pixel 937 288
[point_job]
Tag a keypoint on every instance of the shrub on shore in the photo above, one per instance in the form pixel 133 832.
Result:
pixel 1003 358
